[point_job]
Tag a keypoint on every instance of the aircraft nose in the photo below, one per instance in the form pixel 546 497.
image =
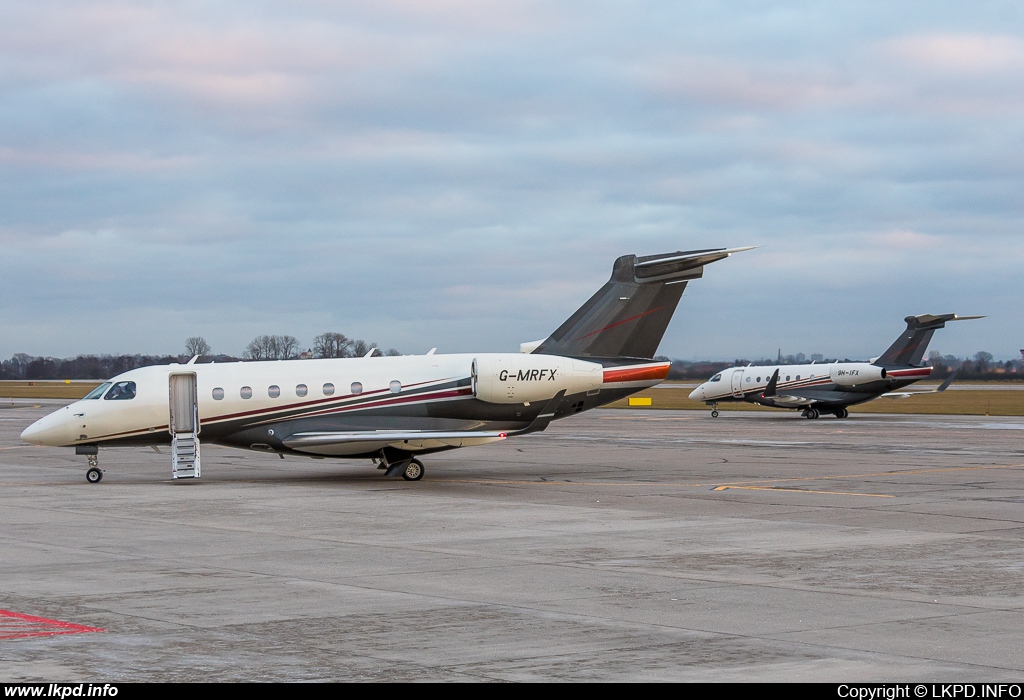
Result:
pixel 697 394
pixel 52 430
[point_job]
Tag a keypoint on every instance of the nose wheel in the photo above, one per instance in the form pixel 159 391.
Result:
pixel 714 410
pixel 94 475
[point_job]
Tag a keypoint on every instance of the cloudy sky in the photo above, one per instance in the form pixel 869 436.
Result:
pixel 462 173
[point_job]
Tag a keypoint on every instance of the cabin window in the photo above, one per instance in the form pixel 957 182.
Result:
pixel 98 391
pixel 759 379
pixel 787 377
pixel 717 378
pixel 122 391
pixel 301 389
pixel 328 389
pixel 218 394
pixel 245 392
pixel 798 377
pixel 396 386
pixel 357 387
pixel 274 390
pixel 748 380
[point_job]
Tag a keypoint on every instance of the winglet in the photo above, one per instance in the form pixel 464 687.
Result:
pixel 949 379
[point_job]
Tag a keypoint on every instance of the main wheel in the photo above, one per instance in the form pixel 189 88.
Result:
pixel 413 471
pixel 814 414
pixel 714 414
pixel 94 476
pixel 841 413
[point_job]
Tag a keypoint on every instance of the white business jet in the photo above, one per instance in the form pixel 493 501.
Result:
pixel 391 409
pixel 814 389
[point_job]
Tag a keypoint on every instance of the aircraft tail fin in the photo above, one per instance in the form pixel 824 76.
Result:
pixel 628 316
pixel 910 347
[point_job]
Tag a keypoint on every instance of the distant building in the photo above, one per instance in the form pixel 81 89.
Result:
pixel 818 357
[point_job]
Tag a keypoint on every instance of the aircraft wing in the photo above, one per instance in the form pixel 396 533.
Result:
pixel 342 442
pixel 790 398
pixel 392 438
pixel 908 394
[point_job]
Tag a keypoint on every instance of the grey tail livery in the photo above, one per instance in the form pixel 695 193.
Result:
pixel 628 316
pixel 910 347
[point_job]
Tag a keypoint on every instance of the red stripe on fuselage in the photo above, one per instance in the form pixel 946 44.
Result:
pixel 920 372
pixel 637 374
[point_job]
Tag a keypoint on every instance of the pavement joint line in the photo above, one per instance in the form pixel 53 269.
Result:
pixel 896 472
pixel 727 487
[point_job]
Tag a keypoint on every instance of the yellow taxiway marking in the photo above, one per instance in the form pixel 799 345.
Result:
pixel 776 488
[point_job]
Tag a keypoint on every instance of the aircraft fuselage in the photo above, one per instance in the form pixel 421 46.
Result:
pixel 263 405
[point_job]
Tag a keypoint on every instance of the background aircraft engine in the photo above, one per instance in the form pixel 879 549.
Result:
pixel 856 373
pixel 527 378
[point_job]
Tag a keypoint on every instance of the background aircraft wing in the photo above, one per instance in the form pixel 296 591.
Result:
pixel 908 394
pixel 801 397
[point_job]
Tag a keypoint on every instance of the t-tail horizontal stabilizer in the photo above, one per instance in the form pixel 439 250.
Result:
pixel 909 348
pixel 628 316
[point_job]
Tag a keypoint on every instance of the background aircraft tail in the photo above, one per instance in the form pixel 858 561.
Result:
pixel 628 316
pixel 909 348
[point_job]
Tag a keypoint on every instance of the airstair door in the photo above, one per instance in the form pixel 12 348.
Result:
pixel 184 426
pixel 737 383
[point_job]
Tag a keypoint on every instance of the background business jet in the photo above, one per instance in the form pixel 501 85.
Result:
pixel 832 387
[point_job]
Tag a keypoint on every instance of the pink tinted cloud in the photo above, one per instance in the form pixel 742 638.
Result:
pixel 959 53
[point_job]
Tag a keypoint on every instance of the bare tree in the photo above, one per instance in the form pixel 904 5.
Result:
pixel 392 353
pixel 360 348
pixel 287 347
pixel 272 347
pixel 332 345
pixel 982 360
pixel 258 348
pixel 196 345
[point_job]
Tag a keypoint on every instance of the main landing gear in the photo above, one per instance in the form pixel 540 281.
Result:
pixel 813 413
pixel 410 468
pixel 413 470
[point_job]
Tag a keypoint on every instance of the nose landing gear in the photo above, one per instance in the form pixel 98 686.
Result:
pixel 714 409
pixel 94 474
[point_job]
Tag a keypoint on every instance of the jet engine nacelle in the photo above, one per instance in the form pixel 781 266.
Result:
pixel 527 378
pixel 855 373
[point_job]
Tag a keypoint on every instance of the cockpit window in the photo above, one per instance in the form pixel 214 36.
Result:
pixel 121 391
pixel 98 391
pixel 717 378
